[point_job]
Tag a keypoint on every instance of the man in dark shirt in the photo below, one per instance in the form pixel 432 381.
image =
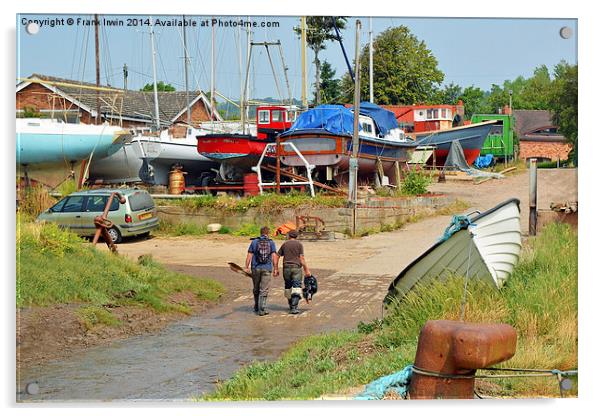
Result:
pixel 261 257
pixel 293 267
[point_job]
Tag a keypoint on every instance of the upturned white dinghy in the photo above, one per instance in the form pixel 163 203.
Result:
pixel 485 246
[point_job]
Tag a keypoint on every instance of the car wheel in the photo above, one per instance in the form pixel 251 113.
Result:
pixel 115 235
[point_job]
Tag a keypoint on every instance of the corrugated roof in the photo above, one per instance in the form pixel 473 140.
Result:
pixel 129 103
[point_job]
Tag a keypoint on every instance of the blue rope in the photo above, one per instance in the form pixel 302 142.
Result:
pixel 458 222
pixel 398 382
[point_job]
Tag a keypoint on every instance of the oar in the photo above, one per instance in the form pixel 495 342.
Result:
pixel 236 268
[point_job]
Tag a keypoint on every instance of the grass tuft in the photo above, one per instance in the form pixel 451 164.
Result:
pixel 55 266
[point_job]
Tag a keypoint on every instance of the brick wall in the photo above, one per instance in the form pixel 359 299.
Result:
pixel 198 114
pixel 548 150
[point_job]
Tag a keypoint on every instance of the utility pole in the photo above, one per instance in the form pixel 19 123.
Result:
pixel 353 162
pixel 188 116
pixel 371 49
pixel 97 53
pixel 156 94
pixel 125 77
pixel 303 62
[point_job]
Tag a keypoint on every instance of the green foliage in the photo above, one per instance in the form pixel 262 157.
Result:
pixel 330 87
pixel 248 230
pixel 415 182
pixel 34 200
pixel 30 112
pixel 68 187
pixel 475 101
pixel 564 103
pixel 450 94
pixel 56 266
pixel 161 87
pixel 539 301
pixel 92 316
pixel 266 203
pixel 405 70
pixel 181 228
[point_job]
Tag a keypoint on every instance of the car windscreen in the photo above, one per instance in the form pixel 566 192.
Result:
pixel 58 206
pixel 140 201
pixel 97 203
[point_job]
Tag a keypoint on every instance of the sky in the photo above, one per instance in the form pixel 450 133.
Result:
pixel 470 51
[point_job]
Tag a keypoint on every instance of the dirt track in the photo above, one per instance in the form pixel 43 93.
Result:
pixel 187 357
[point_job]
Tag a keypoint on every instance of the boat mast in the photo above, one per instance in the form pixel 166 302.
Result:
pixel 245 90
pixel 371 49
pixel 241 106
pixel 156 94
pixel 212 71
pixel 303 63
pixel 97 53
pixel 353 162
pixel 188 116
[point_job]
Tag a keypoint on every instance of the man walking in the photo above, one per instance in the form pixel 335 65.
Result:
pixel 293 267
pixel 261 257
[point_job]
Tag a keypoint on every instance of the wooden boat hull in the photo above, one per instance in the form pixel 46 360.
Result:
pixel 471 138
pixel 492 244
pixel 324 149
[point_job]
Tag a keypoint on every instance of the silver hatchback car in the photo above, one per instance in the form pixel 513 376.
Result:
pixel 138 216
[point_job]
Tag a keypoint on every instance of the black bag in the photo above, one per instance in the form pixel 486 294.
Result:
pixel 310 288
pixel 263 250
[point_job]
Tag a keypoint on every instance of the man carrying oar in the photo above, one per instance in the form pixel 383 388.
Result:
pixel 261 258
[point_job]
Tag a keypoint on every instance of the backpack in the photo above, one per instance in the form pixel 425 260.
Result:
pixel 263 250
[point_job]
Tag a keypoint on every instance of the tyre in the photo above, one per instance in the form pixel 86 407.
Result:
pixel 115 235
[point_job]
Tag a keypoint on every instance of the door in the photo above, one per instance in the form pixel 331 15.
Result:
pixel 71 214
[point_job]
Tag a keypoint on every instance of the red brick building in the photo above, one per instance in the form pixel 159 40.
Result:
pixel 539 137
pixel 76 102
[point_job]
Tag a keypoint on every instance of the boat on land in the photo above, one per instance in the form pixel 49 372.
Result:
pixel 485 246
pixel 324 135
pixel 237 152
pixel 49 142
pixel 149 159
pixel 471 137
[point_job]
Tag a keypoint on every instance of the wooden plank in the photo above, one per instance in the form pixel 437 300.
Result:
pixel 271 168
pixel 510 169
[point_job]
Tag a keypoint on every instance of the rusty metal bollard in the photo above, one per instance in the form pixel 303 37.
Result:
pixel 102 224
pixel 457 349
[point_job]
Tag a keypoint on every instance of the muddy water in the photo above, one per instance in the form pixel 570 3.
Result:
pixel 187 358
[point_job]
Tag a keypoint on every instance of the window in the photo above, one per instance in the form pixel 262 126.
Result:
pixel 58 206
pixel 435 113
pixel 291 116
pixel 276 115
pixel 140 201
pixel 97 203
pixel 429 114
pixel 73 204
pixel 367 127
pixel 263 116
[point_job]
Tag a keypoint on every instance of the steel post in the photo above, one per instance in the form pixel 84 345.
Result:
pixel 532 196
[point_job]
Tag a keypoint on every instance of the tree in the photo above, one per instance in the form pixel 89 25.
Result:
pixel 450 94
pixel 564 104
pixel 405 70
pixel 161 86
pixel 329 87
pixel 475 101
pixel 320 29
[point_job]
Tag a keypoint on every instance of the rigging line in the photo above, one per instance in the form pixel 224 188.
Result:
pixel 267 49
pixel 203 69
pixel 74 51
